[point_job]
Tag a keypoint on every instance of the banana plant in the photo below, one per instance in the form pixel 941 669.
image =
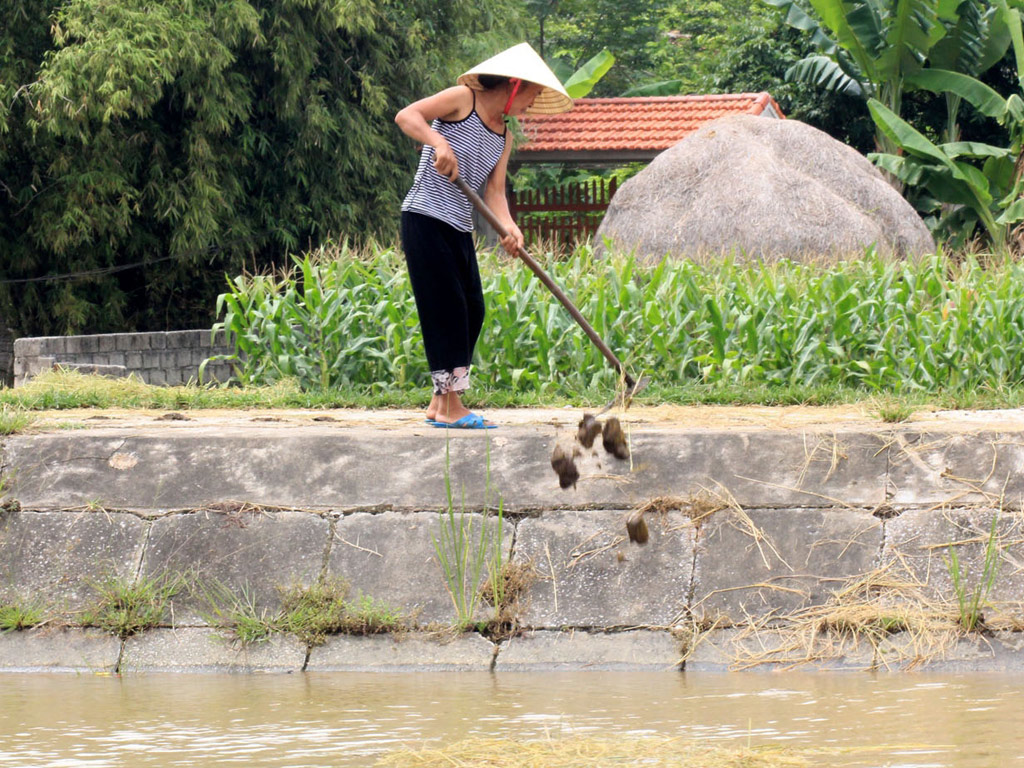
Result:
pixel 989 195
pixel 583 80
pixel 974 43
pixel 868 48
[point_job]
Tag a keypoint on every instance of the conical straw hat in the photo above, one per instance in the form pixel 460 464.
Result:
pixel 523 62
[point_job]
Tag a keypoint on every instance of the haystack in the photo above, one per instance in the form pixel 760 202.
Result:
pixel 761 188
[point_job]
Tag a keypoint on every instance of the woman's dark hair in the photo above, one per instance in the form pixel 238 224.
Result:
pixel 491 81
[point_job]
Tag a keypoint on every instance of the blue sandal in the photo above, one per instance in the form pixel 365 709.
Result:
pixel 469 421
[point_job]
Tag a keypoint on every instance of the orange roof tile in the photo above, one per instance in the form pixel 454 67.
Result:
pixel 632 124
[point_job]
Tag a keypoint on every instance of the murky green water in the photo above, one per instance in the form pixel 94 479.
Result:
pixel 924 721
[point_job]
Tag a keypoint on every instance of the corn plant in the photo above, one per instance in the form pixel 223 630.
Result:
pixel 341 319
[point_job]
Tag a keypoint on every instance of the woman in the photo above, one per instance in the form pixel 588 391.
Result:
pixel 463 133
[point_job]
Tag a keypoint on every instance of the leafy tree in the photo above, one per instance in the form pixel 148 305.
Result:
pixel 762 51
pixel 877 49
pixel 568 32
pixel 201 136
pixel 966 195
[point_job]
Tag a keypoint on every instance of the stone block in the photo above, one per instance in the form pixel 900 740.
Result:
pixel 59 650
pixel 155 376
pixel 173 377
pixel 391 557
pixel 40 345
pixel 139 342
pixel 157 340
pixel 758 467
pixel 82 345
pixel 181 339
pixel 226 556
pixel 757 562
pixel 28 347
pixel 183 359
pixel 918 542
pixel 123 342
pixel 996 652
pixel 589 575
pixel 54 558
pixel 133 360
pixel 197 649
pixel 402 653
pixel 956 468
pixel 41 365
pixel 107 342
pixel 544 651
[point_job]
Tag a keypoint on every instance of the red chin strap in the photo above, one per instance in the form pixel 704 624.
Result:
pixel 516 82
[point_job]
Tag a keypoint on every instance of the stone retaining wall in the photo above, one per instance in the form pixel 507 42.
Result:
pixel 724 592
pixel 765 551
pixel 160 357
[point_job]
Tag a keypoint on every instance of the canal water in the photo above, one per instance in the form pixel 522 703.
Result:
pixel 917 720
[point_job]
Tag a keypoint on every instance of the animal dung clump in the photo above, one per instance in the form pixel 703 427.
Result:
pixel 589 429
pixel 636 527
pixel 565 467
pixel 614 439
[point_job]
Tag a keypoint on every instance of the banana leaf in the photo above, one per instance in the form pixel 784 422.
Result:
pixel 586 77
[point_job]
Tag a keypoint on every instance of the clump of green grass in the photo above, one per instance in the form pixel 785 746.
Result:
pixel 237 612
pixel 126 606
pixel 14 420
pixel 893 411
pixel 366 616
pixel 310 613
pixel 20 615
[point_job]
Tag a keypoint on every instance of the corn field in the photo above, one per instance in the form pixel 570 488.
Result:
pixel 340 318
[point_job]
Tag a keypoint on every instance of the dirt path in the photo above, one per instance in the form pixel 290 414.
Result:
pixel 669 417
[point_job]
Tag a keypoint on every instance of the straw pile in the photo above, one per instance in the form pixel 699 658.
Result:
pixel 577 752
pixel 763 188
pixel 884 618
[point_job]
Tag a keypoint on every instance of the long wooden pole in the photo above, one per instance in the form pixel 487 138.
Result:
pixel 488 214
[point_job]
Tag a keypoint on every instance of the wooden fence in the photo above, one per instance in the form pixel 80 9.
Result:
pixel 561 216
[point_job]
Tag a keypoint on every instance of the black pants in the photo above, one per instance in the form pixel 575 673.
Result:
pixel 445 281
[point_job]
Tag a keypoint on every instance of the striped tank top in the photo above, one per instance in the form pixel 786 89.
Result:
pixel 477 149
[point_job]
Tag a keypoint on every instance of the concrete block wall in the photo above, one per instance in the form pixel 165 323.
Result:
pixel 161 357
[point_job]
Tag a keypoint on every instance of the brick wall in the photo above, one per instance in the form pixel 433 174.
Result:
pixel 163 358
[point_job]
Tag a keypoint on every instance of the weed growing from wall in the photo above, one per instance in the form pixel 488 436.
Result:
pixel 468 552
pixel 971 600
pixel 126 606
pixel 20 614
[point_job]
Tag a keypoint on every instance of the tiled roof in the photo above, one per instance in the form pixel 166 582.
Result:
pixel 635 124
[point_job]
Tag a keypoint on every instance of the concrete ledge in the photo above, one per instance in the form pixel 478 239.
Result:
pixel 402 653
pixel 543 651
pixel 361 467
pixel 769 650
pixel 59 650
pixel 206 650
